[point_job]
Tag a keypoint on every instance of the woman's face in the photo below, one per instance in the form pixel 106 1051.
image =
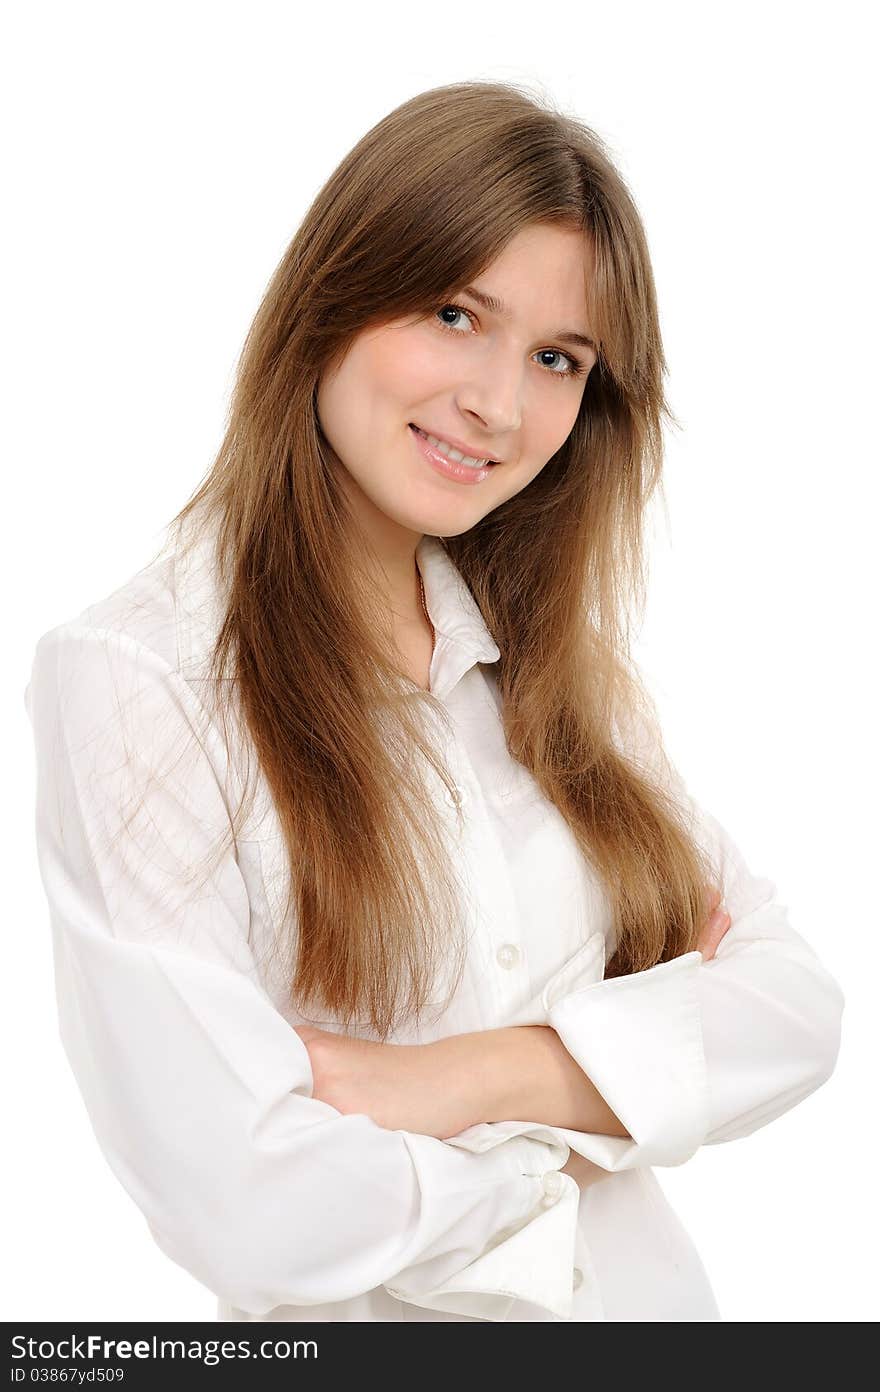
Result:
pixel 501 384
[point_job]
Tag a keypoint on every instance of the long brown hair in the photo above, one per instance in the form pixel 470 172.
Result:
pixel 420 206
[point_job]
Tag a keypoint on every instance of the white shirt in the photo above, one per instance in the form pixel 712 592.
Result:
pixel 179 1031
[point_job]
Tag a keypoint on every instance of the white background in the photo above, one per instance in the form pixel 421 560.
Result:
pixel 158 159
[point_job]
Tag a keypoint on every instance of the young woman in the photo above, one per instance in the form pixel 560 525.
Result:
pixel 386 955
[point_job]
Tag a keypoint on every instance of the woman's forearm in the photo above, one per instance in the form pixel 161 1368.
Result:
pixel 517 1073
pixel 525 1073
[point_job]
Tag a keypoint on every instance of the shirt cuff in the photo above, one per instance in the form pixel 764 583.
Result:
pixel 639 1039
pixel 531 1260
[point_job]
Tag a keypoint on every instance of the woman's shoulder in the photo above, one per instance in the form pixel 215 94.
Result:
pixel 167 610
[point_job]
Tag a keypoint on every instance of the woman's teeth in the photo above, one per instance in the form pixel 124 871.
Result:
pixel 451 453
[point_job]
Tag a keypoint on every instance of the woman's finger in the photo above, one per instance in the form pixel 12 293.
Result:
pixel 710 937
pixel 711 899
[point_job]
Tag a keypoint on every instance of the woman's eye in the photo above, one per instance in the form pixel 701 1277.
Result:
pixel 554 353
pixel 455 309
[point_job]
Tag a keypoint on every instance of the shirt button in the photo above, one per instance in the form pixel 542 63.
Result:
pixel 577 1277
pixel 507 955
pixel 553 1186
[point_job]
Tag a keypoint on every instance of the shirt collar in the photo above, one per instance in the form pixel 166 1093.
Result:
pixel 462 638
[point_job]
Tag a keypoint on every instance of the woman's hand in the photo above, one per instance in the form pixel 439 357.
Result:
pixel 583 1170
pixel 713 930
pixel 717 924
pixel 403 1087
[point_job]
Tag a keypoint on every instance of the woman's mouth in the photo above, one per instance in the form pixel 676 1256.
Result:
pixel 461 469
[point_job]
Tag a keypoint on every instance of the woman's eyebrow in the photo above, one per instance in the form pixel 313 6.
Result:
pixel 496 306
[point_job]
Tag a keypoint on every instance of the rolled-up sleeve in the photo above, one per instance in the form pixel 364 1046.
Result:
pixel 694 1052
pixel 198 1090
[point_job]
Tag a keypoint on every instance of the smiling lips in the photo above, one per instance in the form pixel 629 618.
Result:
pixel 459 453
pixel 458 471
